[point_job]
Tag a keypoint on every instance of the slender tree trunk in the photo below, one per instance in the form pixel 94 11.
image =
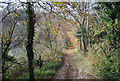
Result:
pixel 55 43
pixel 83 43
pixel 30 35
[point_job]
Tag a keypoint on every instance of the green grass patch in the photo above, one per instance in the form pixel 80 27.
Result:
pixel 51 65
pixel 45 72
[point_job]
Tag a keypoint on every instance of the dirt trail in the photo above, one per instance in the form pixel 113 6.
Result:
pixel 68 70
pixel 74 67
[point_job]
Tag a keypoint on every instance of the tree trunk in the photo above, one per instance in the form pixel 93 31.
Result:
pixel 30 35
pixel 83 43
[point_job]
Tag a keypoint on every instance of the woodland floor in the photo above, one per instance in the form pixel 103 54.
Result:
pixel 74 67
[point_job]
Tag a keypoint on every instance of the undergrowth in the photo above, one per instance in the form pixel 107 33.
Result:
pixel 45 72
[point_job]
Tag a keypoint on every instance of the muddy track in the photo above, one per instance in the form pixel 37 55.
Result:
pixel 68 70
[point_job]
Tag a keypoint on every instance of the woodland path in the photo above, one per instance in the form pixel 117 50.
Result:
pixel 74 67
pixel 68 70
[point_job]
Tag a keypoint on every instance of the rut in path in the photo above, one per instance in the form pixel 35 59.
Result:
pixel 68 70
